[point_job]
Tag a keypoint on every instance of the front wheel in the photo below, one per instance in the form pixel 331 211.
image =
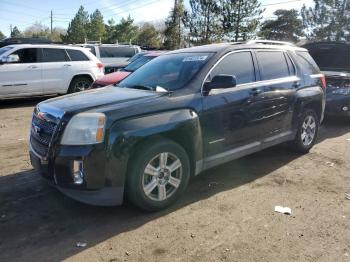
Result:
pixel 158 174
pixel 307 131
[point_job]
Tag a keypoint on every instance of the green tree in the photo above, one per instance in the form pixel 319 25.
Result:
pixel 126 31
pixel 202 21
pixel 2 36
pixel 286 27
pixel 96 26
pixel 16 33
pixel 148 36
pixel 173 32
pixel 78 27
pixel 327 20
pixel 240 18
pixel 110 31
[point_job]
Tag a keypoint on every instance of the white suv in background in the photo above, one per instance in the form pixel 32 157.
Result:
pixel 27 70
pixel 113 56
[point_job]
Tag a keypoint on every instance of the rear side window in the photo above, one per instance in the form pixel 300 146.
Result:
pixel 307 62
pixel 117 51
pixel 27 55
pixel 91 49
pixel 273 65
pixel 77 55
pixel 54 55
pixel 239 65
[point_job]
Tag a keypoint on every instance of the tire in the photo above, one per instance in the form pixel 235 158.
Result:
pixel 158 187
pixel 80 83
pixel 307 132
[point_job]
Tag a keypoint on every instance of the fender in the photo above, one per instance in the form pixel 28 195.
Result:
pixel 312 97
pixel 181 126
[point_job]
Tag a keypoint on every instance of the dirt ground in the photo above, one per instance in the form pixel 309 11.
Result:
pixel 227 213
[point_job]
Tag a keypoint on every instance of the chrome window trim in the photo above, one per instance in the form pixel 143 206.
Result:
pixel 292 78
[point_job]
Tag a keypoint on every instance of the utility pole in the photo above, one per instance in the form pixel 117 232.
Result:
pixel 51 21
pixel 10 30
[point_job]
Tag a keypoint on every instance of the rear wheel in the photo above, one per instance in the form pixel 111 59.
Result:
pixel 158 174
pixel 79 84
pixel 307 131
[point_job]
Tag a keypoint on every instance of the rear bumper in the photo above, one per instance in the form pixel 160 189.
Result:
pixel 335 105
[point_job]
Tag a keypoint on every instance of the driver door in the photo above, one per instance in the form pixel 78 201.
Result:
pixel 231 115
pixel 22 75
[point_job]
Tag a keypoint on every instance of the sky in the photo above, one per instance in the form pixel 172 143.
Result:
pixel 23 13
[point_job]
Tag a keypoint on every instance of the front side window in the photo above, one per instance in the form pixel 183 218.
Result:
pixel 26 55
pixel 54 55
pixel 171 72
pixel 273 65
pixel 239 65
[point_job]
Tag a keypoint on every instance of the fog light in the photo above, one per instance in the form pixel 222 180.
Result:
pixel 345 108
pixel 78 175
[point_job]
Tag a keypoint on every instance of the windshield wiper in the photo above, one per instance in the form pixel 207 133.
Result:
pixel 142 87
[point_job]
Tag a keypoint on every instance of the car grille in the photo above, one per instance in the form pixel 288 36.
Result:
pixel 41 134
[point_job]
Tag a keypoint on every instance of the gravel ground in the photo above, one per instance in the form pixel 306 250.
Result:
pixel 227 213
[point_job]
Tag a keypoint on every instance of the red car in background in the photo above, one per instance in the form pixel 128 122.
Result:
pixel 116 77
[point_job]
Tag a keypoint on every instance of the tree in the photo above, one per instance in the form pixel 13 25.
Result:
pixel 240 18
pixel 174 26
pixel 16 33
pixel 78 27
pixel 2 36
pixel 110 31
pixel 202 21
pixel 286 27
pixel 37 30
pixel 148 36
pixel 327 20
pixel 126 31
pixel 96 26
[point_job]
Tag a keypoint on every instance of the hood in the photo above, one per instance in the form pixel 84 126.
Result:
pixel 97 98
pixel 112 78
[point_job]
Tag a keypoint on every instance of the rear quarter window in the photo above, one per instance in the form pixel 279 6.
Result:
pixel 272 64
pixel 77 55
pixel 307 63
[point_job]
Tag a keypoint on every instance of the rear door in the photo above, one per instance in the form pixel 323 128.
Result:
pixel 22 77
pixel 230 115
pixel 279 83
pixel 56 70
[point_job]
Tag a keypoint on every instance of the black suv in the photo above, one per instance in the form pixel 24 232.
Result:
pixel 182 113
pixel 333 58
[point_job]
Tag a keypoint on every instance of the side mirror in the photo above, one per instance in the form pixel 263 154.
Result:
pixel 220 82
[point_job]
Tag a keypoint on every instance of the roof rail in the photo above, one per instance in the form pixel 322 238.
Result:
pixel 269 42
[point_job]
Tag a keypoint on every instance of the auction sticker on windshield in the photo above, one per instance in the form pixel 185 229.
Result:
pixel 195 58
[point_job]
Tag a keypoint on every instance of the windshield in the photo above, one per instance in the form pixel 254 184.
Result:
pixel 4 49
pixel 138 63
pixel 331 57
pixel 170 72
pixel 137 56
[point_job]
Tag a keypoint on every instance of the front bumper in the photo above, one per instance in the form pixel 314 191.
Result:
pixel 100 186
pixel 335 105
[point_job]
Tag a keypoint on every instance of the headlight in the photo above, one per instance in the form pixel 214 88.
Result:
pixel 85 129
pixel 341 91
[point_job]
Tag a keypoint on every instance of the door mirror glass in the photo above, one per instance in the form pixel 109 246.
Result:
pixel 13 58
pixel 220 82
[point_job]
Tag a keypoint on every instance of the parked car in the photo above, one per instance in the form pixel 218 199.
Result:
pixel 182 113
pixel 334 61
pixel 115 67
pixel 27 70
pixel 113 56
pixel 118 76
pixel 24 40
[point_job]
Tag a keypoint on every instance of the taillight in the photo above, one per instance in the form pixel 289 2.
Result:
pixel 99 65
pixel 324 83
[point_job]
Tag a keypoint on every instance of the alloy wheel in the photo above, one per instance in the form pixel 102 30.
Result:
pixel 308 131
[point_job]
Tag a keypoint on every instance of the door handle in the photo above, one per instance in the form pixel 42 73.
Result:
pixel 255 92
pixel 66 65
pixel 33 67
